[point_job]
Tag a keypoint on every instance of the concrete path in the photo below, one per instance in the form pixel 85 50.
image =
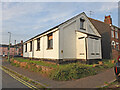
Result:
pixel 87 82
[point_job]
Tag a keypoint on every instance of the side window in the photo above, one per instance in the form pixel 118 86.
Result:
pixel 38 44
pixel 26 47
pixel 30 45
pixel 82 23
pixel 50 41
pixel 112 33
pixel 116 34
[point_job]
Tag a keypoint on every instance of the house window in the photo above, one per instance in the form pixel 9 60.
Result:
pixel 30 45
pixel 113 44
pixel 112 33
pixel 82 21
pixel 116 34
pixel 116 29
pixel 50 41
pixel 38 44
pixel 26 47
pixel 117 46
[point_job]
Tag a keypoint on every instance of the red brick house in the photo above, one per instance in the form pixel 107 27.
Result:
pixel 110 37
pixel 16 49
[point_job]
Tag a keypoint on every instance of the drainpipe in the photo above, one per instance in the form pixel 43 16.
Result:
pixel 86 47
pixel 33 49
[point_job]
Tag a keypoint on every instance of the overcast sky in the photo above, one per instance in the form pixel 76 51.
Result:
pixel 25 20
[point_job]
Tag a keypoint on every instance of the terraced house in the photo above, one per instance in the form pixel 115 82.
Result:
pixel 74 39
pixel 110 37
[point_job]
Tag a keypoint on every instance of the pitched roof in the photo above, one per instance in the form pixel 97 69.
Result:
pixel 55 26
pixel 100 26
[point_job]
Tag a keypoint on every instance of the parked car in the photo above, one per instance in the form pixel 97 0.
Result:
pixel 117 69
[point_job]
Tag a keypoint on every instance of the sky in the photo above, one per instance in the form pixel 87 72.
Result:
pixel 27 19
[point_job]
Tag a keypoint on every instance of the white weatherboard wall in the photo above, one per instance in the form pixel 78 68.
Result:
pixel 38 54
pixel 44 52
pixel 28 53
pixel 52 53
pixel 80 45
pixel 67 42
pixel 94 46
pixel 69 48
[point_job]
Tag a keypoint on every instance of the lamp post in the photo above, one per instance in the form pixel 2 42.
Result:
pixel 9 47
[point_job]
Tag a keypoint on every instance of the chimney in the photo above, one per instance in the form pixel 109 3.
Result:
pixel 108 19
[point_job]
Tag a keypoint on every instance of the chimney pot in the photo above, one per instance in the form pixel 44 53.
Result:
pixel 108 19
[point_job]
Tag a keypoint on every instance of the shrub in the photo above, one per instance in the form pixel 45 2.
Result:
pixel 72 71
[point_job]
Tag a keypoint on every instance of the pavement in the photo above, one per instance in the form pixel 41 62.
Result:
pixel 87 82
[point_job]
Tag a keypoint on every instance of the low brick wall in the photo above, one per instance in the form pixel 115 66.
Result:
pixel 30 65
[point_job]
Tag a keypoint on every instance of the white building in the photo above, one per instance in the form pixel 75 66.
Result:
pixel 74 39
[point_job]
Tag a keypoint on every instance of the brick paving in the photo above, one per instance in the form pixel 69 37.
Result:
pixel 87 82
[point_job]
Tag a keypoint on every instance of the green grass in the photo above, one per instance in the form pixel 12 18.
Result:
pixel 42 63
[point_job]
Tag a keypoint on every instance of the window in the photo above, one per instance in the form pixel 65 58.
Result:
pixel 116 29
pixel 116 34
pixel 112 33
pixel 26 47
pixel 117 46
pixel 50 41
pixel 30 45
pixel 97 54
pixel 38 44
pixel 92 53
pixel 82 23
pixel 113 44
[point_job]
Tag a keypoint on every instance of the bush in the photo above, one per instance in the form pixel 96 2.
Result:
pixel 72 71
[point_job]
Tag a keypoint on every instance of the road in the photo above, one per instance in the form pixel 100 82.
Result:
pixel 9 82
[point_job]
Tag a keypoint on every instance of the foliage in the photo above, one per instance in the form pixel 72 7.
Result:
pixel 67 71
pixel 42 63
pixel 72 71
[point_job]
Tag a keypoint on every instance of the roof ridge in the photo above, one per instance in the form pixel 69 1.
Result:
pixel 98 20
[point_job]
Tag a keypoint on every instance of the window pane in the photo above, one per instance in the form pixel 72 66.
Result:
pixel 112 33
pixel 30 45
pixel 117 46
pixel 116 34
pixel 38 44
pixel 50 40
pixel 82 23
pixel 26 47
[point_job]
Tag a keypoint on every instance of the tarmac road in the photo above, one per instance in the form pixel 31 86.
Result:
pixel 9 82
